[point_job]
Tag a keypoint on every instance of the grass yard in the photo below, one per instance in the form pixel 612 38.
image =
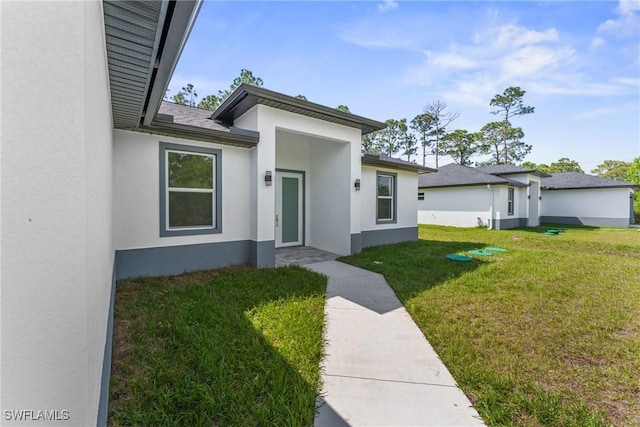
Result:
pixel 547 333
pixel 234 347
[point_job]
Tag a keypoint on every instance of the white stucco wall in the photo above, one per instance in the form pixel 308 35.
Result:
pixel 455 206
pixel 331 155
pixel 407 199
pixel 596 203
pixel 57 250
pixel 136 183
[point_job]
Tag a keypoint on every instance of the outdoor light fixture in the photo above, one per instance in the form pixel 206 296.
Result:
pixel 357 184
pixel 529 196
pixel 267 179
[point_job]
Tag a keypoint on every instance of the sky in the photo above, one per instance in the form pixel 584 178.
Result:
pixel 579 63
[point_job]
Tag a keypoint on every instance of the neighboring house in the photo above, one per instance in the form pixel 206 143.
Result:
pixel 578 198
pixel 102 180
pixel 498 197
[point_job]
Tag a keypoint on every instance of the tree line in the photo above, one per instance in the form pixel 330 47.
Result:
pixel 429 131
pixel 188 95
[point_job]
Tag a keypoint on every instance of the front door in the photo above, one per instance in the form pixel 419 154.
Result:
pixel 289 219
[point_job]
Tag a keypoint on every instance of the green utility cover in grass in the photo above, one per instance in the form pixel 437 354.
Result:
pixel 492 249
pixel 459 258
pixel 480 252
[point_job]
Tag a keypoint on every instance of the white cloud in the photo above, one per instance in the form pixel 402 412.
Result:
pixel 627 22
pixel 597 42
pixel 387 5
pixel 450 60
pixel 511 36
pixel 599 112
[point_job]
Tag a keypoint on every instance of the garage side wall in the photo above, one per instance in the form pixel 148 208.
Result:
pixel 456 206
pixel 594 206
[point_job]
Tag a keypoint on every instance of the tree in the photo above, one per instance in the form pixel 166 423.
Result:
pixel 423 125
pixel 612 169
pixel 509 104
pixel 187 96
pixel 541 167
pixel 343 108
pixel 503 143
pixel 370 142
pixel 389 138
pixel 246 76
pixel 209 102
pixel 408 143
pixel 633 173
pixel 441 119
pixel 460 145
pixel 564 165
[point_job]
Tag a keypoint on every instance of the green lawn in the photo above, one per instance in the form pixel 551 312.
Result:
pixel 234 347
pixel 545 334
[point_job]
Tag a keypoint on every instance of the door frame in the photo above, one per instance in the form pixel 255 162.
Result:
pixel 301 207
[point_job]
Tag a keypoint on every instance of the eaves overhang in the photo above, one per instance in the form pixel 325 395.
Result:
pixel 144 40
pixel 235 137
pixel 247 96
pixel 591 187
pixel 370 159
pixel 476 184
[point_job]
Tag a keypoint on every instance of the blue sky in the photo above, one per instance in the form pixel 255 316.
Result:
pixel 578 61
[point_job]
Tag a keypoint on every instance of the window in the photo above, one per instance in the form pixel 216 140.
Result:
pixel 420 196
pixel 189 190
pixel 386 198
pixel 510 201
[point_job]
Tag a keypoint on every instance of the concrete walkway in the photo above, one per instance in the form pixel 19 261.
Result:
pixel 378 368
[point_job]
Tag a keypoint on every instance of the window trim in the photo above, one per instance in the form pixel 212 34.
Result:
pixel 165 231
pixel 394 197
pixel 510 201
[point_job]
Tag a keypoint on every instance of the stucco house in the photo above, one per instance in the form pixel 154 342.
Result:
pixel 101 179
pixel 578 198
pixel 498 197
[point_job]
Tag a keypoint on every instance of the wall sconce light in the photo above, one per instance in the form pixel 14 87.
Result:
pixel 267 179
pixel 539 197
pixel 529 196
pixel 356 185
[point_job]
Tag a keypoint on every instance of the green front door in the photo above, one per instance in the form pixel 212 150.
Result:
pixel 289 208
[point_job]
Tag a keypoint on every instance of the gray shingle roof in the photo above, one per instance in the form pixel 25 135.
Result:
pixel 577 180
pixel 509 170
pixel 454 175
pixel 190 116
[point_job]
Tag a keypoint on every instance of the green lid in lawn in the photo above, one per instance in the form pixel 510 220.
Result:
pixel 492 249
pixel 459 258
pixel 480 252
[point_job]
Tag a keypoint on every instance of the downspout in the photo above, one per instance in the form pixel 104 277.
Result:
pixel 490 207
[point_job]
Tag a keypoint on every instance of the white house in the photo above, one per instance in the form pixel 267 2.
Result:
pixel 101 180
pixel 498 197
pixel 578 198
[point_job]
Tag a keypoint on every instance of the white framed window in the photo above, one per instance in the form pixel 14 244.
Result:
pixel 386 197
pixel 421 196
pixel 189 190
pixel 510 198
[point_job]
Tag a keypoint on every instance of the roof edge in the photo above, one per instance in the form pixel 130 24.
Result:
pixel 180 26
pixel 245 90
pixel 246 139
pixel 370 159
